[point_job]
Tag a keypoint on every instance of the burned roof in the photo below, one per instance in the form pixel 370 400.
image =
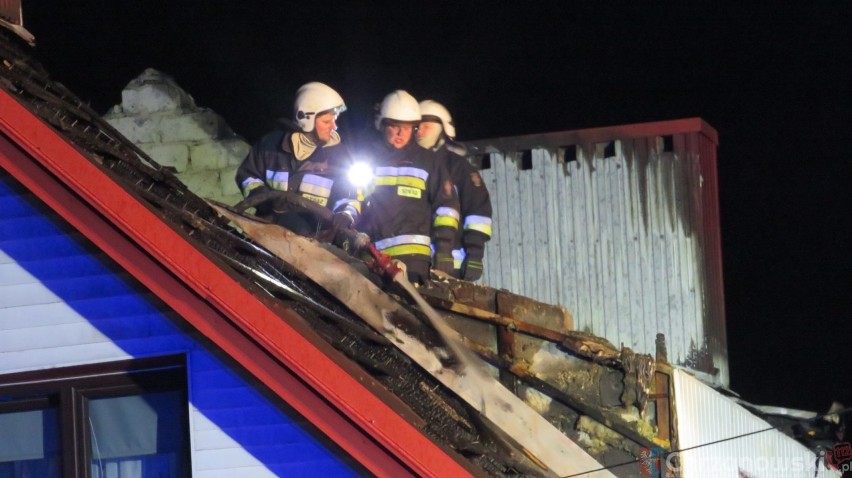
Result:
pixel 593 392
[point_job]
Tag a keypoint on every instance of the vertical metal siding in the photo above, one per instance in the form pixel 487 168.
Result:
pixel 704 416
pixel 627 240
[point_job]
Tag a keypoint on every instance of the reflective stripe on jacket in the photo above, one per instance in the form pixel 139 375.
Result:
pixel 412 196
pixel 321 177
pixel 474 199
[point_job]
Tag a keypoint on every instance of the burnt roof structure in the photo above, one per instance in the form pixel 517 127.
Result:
pixel 291 334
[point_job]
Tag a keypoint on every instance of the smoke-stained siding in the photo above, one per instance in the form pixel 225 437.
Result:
pixel 621 226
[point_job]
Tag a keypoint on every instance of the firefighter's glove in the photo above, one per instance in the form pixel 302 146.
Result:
pixel 341 221
pixel 443 258
pixel 255 197
pixel 443 262
pixel 279 204
pixel 471 268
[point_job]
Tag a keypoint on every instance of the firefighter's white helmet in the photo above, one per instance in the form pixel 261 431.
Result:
pixel 398 106
pixel 436 112
pixel 314 99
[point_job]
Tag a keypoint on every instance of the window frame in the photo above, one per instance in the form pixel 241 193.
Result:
pixel 68 389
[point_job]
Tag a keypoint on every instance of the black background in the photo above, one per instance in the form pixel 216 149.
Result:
pixel 774 80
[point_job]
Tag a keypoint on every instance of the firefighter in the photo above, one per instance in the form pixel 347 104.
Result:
pixel 437 133
pixel 308 160
pixel 412 204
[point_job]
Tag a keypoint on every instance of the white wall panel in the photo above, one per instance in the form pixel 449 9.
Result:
pixel 617 233
pixel 721 438
pixel 38 331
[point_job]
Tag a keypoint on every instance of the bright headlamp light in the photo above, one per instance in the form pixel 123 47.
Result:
pixel 360 174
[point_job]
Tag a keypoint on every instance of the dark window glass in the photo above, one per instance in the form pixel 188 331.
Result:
pixel 125 419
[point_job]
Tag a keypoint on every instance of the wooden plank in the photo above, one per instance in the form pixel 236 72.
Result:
pixel 498 320
pixel 544 443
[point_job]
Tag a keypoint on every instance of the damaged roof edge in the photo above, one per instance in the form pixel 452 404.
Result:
pixel 213 302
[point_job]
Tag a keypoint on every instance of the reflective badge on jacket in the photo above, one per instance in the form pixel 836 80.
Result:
pixel 410 182
pixel 316 188
pixel 319 200
pixel 408 192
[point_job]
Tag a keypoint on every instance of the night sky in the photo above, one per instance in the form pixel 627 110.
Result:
pixel 775 80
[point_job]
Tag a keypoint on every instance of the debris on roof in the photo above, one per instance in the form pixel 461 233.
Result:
pixel 609 401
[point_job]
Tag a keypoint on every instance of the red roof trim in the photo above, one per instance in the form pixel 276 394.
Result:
pixel 213 302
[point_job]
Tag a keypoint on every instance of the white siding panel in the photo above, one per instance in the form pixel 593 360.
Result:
pixel 235 459
pixel 11 274
pixel 47 337
pixel 38 315
pixel 217 455
pixel 38 359
pixel 612 239
pixel 39 331
pixel 36 335
pixel 22 295
pixel 705 416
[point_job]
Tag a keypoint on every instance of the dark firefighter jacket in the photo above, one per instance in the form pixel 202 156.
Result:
pixel 475 221
pixel 412 203
pixel 321 177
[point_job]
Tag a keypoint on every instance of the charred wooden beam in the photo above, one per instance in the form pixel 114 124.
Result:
pixel 610 419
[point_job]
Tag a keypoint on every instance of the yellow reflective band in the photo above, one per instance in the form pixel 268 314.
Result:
pixel 446 221
pixel 458 258
pixel 251 187
pixel 412 182
pixel 317 199
pixel 408 249
pixel 279 185
pixel 401 181
pixel 314 189
pixel 408 192
pixel 483 228
pixel 355 205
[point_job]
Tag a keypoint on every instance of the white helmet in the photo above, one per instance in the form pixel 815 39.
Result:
pixel 432 110
pixel 314 99
pixel 398 106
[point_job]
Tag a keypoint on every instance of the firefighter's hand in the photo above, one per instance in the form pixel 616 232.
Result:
pixel 471 270
pixel 443 262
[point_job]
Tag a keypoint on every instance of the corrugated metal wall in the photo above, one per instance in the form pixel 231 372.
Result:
pixel 620 225
pixel 721 438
